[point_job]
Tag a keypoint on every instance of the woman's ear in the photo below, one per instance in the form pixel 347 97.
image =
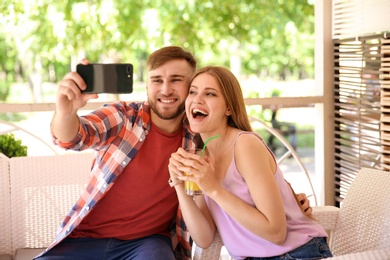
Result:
pixel 228 112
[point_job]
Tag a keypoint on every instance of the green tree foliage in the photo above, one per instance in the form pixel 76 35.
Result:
pixel 40 40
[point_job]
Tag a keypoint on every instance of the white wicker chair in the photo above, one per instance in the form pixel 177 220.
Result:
pixel 44 188
pixel 5 211
pixel 362 223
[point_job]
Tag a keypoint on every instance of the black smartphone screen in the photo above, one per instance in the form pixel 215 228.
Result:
pixel 113 78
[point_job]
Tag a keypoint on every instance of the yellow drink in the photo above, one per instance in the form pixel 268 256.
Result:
pixel 192 188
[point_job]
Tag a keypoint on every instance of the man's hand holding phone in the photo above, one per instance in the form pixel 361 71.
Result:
pixel 78 87
pixel 70 96
pixel 65 122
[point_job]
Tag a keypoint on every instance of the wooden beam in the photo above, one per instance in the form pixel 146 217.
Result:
pixel 280 102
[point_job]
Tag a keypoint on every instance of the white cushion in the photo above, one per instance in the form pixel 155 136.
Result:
pixel 27 253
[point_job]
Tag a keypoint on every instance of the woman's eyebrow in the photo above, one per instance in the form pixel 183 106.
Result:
pixel 205 89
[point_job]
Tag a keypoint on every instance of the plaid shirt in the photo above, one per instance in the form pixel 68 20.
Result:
pixel 116 132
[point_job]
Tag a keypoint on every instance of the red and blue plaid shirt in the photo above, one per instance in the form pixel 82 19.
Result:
pixel 116 131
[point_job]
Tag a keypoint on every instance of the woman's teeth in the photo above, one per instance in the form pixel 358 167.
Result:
pixel 198 112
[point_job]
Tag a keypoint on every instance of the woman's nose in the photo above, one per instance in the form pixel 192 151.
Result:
pixel 197 100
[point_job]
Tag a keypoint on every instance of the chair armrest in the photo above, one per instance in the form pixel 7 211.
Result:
pixel 377 254
pixel 5 256
pixel 327 216
pixel 213 252
pixel 27 253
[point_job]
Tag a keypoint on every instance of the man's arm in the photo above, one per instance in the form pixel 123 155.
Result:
pixel 64 126
pixel 65 121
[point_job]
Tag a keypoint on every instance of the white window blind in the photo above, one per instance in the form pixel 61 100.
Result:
pixel 353 18
pixel 360 32
pixel 385 103
pixel 362 107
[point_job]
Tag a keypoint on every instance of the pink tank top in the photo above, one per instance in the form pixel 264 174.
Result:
pixel 242 243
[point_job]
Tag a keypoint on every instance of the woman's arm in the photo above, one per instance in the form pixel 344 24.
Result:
pixel 195 212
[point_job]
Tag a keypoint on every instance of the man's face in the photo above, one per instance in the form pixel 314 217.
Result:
pixel 167 88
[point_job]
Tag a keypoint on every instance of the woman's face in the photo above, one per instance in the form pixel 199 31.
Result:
pixel 205 105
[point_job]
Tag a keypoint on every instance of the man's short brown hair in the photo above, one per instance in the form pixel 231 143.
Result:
pixel 165 54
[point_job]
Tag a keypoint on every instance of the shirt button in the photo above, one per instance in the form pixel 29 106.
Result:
pixel 87 207
pixel 141 139
pixel 124 163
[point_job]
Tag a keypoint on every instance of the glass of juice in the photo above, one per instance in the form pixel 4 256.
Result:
pixel 191 188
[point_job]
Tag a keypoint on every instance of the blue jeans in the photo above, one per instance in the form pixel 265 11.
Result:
pixel 156 247
pixel 317 248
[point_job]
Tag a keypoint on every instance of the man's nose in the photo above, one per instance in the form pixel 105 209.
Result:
pixel 166 89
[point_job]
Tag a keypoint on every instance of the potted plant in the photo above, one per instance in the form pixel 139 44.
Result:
pixel 12 147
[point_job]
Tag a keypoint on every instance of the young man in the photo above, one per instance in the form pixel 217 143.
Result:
pixel 132 219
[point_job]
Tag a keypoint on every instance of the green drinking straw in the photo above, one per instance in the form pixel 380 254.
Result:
pixel 205 143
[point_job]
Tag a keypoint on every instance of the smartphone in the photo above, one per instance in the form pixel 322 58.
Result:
pixel 113 78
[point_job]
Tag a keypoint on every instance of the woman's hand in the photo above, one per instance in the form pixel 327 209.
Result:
pixel 174 172
pixel 194 209
pixel 189 166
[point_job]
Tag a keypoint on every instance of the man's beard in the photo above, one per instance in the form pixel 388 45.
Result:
pixel 166 116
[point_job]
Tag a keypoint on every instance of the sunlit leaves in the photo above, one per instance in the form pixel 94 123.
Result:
pixel 274 38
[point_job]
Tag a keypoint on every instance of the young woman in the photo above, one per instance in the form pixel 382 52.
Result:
pixel 245 195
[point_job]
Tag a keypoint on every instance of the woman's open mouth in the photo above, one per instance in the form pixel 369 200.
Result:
pixel 197 113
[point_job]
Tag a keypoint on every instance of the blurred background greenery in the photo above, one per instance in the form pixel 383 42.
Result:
pixel 270 41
